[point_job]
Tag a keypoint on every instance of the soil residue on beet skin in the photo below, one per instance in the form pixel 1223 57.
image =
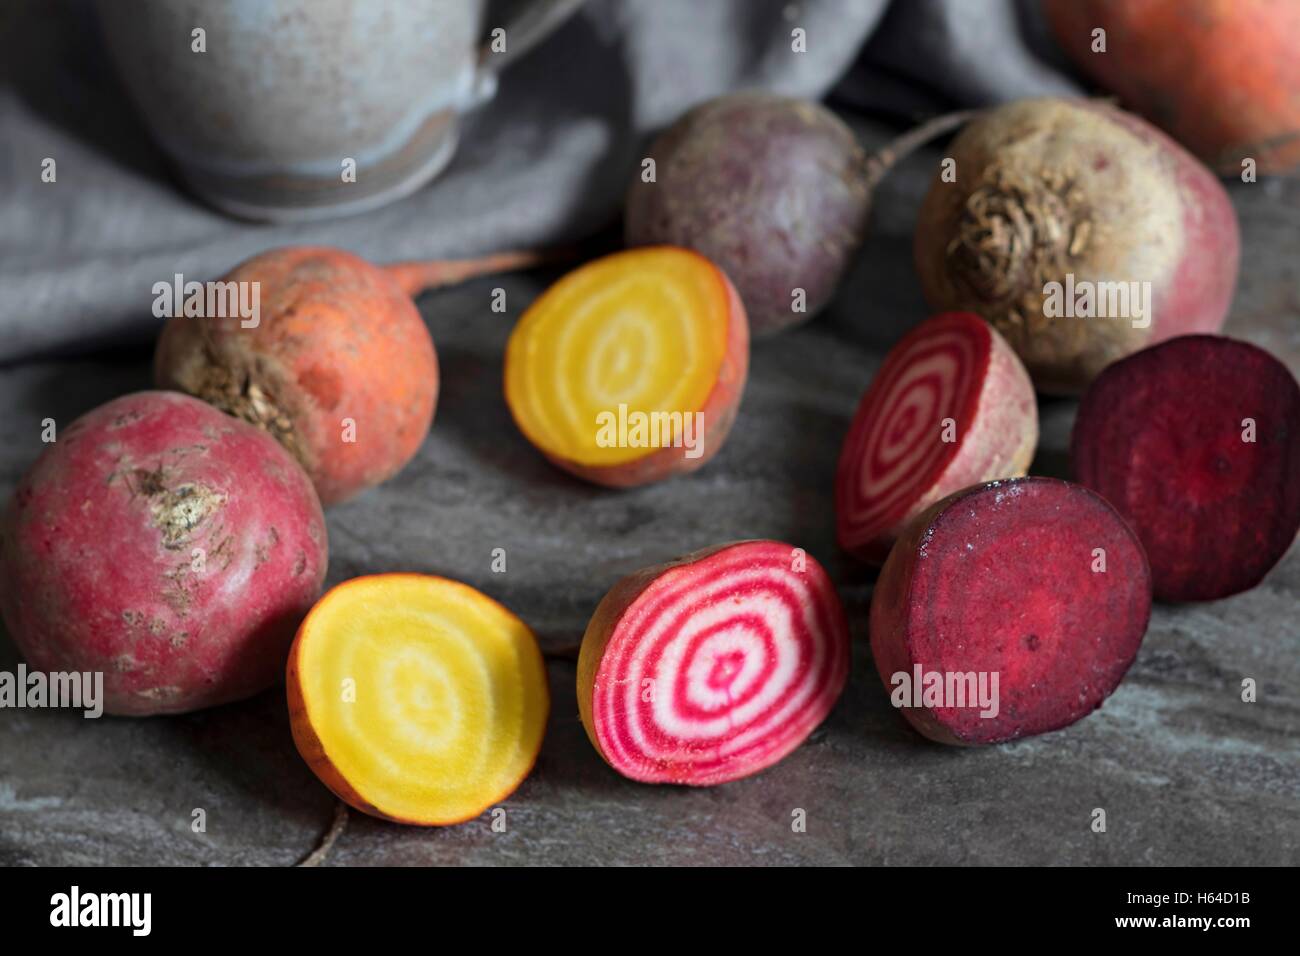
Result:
pixel 246 395
pixel 175 511
pixel 262 551
pixel 1016 233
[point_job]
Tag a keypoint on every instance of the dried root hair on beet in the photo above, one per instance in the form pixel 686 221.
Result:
pixel 337 364
pixel 1081 232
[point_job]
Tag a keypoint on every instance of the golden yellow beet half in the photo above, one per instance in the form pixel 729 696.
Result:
pixel 648 335
pixel 417 698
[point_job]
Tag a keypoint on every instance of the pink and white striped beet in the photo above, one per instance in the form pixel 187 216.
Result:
pixel 951 406
pixel 714 666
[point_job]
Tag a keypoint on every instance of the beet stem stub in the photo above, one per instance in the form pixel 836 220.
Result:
pixel 879 163
pixel 1033 588
pixel 713 667
pixel 426 275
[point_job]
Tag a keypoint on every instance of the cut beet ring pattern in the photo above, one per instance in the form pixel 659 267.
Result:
pixel 898 444
pixel 711 678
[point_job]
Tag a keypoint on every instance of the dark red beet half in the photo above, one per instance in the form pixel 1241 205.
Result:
pixel 1196 441
pixel 1032 589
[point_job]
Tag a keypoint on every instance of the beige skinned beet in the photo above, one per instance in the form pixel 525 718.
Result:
pixel 1056 191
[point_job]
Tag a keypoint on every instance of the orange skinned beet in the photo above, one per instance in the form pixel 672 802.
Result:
pixel 339 366
pixel 1221 76
pixel 448 698
pixel 714 364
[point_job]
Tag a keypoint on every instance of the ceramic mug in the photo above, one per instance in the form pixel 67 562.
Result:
pixel 296 110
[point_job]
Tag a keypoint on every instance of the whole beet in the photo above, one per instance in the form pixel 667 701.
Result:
pixel 338 365
pixel 169 546
pixel 771 189
pixel 1051 195
pixel 1220 76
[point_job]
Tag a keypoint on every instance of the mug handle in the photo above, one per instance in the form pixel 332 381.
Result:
pixel 528 27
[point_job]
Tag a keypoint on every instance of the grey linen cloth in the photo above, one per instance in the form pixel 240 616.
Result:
pixel 546 160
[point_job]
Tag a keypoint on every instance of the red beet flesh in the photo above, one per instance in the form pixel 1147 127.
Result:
pixel 1001 579
pixel 167 545
pixel 1163 436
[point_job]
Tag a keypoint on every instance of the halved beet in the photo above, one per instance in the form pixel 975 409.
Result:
pixel 951 406
pixel 1197 443
pixel 714 666
pixel 1034 586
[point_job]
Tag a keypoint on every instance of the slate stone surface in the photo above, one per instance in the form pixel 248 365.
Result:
pixel 1187 773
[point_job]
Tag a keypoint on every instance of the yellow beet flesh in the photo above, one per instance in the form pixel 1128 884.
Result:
pixel 647 329
pixel 417 698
